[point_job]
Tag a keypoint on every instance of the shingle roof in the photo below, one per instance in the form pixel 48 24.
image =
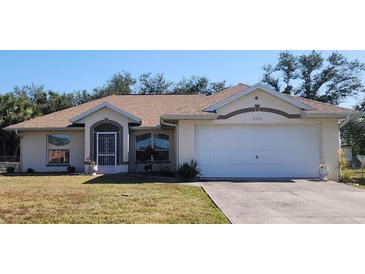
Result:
pixel 198 107
pixel 147 107
pixel 150 107
pixel 319 107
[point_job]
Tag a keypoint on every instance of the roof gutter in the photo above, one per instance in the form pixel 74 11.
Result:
pixel 208 116
pixel 342 123
pixel 349 118
pixel 330 115
pixel 43 129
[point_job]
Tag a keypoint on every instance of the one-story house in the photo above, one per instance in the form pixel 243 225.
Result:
pixel 241 131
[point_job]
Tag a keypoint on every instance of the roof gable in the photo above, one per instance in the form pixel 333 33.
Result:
pixel 102 105
pixel 253 88
pixel 148 108
pixel 151 108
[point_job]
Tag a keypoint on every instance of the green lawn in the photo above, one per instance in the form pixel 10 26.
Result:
pixel 106 199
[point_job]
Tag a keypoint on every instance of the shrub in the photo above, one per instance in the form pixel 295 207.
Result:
pixel 189 170
pixel 343 165
pixel 10 169
pixel 30 170
pixel 346 176
pixel 71 169
pixel 148 167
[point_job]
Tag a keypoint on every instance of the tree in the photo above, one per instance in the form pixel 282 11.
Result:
pixel 24 103
pixel 157 84
pixel 353 133
pixel 57 101
pixel 14 108
pixel 42 101
pixel 81 97
pixel 330 80
pixel 198 85
pixel 120 83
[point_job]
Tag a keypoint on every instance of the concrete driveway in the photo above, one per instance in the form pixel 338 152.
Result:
pixel 297 201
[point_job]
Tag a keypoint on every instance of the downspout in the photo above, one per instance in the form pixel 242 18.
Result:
pixel 177 139
pixel 344 122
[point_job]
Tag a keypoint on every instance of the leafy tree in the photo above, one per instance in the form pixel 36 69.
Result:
pixel 330 80
pixel 42 101
pixel 353 133
pixel 157 84
pixel 81 97
pixel 198 85
pixel 22 104
pixel 57 101
pixel 120 83
pixel 217 86
pixel 13 109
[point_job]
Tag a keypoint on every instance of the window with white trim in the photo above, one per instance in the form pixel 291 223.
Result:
pixel 152 147
pixel 58 149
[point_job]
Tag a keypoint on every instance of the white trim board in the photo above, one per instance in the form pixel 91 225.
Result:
pixel 105 105
pixel 262 87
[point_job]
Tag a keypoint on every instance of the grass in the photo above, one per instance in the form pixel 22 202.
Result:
pixel 106 199
pixel 357 176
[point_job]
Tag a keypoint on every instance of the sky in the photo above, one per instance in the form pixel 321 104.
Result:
pixel 66 71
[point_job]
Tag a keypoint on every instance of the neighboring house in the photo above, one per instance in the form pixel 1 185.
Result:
pixel 241 131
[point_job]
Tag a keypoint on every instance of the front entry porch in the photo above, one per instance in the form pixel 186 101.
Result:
pixel 106 153
pixel 106 147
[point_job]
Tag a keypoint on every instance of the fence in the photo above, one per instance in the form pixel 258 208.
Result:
pixel 9 161
pixel 9 158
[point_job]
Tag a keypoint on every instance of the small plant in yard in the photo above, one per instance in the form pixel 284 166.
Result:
pixel 146 156
pixel 30 170
pixel 147 167
pixel 346 176
pixel 71 169
pixel 10 169
pixel 189 170
pixel 92 165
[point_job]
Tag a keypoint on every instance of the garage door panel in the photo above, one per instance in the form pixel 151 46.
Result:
pixel 261 151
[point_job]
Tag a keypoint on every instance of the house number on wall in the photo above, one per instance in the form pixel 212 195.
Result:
pixel 257 118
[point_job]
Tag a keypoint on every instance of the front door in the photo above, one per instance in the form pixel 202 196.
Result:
pixel 106 149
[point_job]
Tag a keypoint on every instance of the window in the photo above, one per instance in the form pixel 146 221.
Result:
pixel 152 147
pixel 161 144
pixel 58 149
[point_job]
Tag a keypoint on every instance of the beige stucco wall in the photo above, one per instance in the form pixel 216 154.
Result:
pixel 264 99
pixel 100 115
pixel 329 132
pixel 34 151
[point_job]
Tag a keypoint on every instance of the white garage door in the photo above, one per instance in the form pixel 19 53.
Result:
pixel 259 151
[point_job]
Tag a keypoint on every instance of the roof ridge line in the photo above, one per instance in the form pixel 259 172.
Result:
pixel 212 95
